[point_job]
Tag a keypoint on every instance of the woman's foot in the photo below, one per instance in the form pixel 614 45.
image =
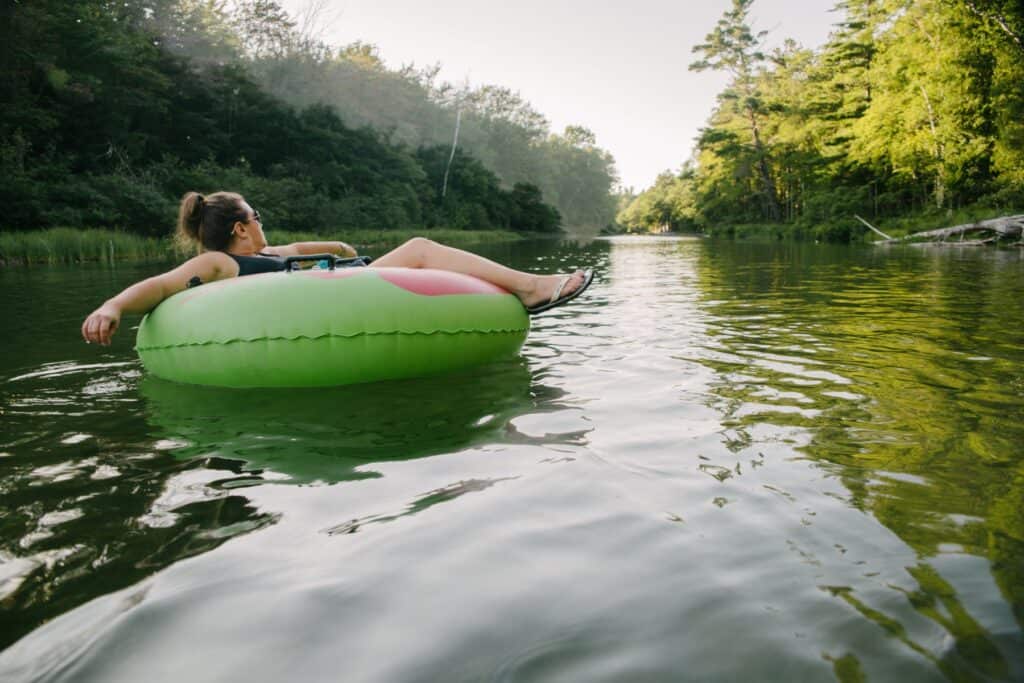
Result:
pixel 545 289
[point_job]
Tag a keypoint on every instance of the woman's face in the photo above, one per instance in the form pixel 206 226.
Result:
pixel 253 228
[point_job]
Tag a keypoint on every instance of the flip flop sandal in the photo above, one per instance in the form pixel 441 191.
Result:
pixel 557 298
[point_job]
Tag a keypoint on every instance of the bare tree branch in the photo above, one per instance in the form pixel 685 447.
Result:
pixel 999 20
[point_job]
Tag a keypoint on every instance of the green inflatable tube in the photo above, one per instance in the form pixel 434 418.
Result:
pixel 330 327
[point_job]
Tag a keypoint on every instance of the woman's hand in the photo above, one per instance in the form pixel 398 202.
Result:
pixel 101 324
pixel 144 296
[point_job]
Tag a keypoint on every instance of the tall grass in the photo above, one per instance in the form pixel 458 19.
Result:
pixel 70 245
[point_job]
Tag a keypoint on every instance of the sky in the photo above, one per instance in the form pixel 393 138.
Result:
pixel 619 69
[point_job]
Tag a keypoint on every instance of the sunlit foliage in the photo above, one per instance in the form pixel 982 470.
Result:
pixel 911 108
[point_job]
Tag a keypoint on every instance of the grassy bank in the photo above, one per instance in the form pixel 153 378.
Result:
pixel 851 230
pixel 788 231
pixel 71 245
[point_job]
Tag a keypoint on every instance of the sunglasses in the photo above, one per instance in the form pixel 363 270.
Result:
pixel 255 217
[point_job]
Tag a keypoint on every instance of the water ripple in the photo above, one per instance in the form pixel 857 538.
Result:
pixel 811 455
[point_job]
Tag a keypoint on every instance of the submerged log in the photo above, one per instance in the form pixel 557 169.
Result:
pixel 984 232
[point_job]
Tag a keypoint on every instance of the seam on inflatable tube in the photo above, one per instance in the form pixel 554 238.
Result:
pixel 249 340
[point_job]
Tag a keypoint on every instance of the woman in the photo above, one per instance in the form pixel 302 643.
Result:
pixel 230 235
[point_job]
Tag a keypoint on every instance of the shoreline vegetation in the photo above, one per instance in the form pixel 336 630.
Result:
pixel 902 229
pixel 115 110
pixel 955 229
pixel 97 245
pixel 910 114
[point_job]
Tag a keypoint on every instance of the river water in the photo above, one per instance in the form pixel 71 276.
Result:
pixel 727 461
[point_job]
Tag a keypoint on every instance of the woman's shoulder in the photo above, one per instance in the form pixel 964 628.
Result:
pixel 215 265
pixel 213 258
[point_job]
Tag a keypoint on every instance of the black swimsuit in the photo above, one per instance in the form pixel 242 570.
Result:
pixel 261 263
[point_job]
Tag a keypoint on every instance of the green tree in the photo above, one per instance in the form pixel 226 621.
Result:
pixel 264 29
pixel 929 122
pixel 410 106
pixel 913 106
pixel 106 122
pixel 668 205
pixel 579 177
pixel 732 47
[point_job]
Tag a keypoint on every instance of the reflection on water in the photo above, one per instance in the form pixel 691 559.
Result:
pixel 901 374
pixel 85 510
pixel 330 435
pixel 728 461
pixel 180 491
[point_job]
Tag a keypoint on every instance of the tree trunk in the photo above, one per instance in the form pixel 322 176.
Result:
pixel 999 21
pixel 938 151
pixel 991 231
pixel 767 184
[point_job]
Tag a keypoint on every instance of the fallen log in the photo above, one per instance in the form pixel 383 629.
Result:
pixel 871 227
pixel 995 229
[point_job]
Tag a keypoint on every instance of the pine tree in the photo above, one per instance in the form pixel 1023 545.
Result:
pixel 732 47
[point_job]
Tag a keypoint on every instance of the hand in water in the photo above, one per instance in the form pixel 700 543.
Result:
pixel 101 324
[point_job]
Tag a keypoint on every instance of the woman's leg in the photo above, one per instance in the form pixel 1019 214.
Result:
pixel 420 252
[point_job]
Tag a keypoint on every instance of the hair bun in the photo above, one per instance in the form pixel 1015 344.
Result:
pixel 207 220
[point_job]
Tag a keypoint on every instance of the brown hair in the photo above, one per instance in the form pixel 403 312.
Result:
pixel 207 220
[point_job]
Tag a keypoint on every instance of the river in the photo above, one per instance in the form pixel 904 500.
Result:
pixel 726 461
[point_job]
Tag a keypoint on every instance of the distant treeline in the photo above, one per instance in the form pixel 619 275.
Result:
pixel 111 110
pixel 913 107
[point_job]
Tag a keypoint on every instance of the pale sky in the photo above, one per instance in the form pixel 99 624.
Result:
pixel 619 69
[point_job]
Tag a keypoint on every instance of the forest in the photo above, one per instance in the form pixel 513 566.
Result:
pixel 113 109
pixel 913 110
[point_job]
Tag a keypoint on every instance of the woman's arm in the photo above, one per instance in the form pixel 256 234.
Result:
pixel 144 296
pixel 304 248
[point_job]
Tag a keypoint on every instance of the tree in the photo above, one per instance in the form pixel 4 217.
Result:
pixel 579 177
pixel 668 205
pixel 114 108
pixel 1006 15
pixel 733 48
pixel 930 119
pixel 265 29
pixel 580 137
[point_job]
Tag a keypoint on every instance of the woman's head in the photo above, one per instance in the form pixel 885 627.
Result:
pixel 217 220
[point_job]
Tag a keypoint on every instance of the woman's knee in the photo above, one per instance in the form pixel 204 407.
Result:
pixel 419 248
pixel 419 243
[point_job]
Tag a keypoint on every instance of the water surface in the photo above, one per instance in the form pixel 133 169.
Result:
pixel 727 461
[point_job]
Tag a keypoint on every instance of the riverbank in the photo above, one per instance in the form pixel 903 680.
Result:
pixel 851 230
pixel 71 245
